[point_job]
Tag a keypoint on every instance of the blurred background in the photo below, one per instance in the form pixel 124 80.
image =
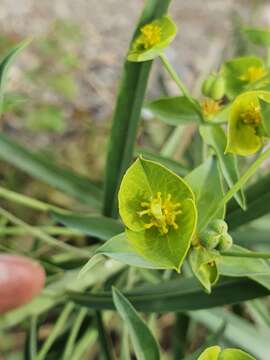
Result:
pixel 62 88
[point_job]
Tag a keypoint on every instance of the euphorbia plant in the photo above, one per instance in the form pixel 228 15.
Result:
pixel 155 216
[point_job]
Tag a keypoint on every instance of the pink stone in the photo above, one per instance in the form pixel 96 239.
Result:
pixel 21 279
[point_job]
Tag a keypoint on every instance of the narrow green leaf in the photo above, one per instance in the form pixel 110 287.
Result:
pixel 47 171
pixel 99 226
pixel 120 249
pixel 71 340
pixel 258 204
pixel 56 331
pixel 143 341
pixel 175 110
pixel 104 342
pixel 205 181
pixel 127 114
pixel 176 295
pixel 256 269
pixel 4 66
pixel 216 138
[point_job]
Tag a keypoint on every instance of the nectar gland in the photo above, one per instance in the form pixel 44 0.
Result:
pixel 252 116
pixel 253 73
pixel 161 213
pixel 210 107
pixel 149 37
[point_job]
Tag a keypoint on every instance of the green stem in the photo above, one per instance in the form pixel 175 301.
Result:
pixel 256 255
pixel 33 338
pixel 43 236
pixel 244 178
pixel 105 346
pixel 26 200
pixel 69 349
pixel 268 57
pixel 180 84
pixel 56 331
pixel 51 230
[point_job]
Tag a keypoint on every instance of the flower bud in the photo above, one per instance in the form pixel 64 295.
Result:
pixel 217 90
pixel 225 242
pixel 219 226
pixel 209 239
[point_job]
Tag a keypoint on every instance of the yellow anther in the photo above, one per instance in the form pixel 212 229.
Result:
pixel 253 73
pixel 252 116
pixel 210 107
pixel 149 37
pixel 160 213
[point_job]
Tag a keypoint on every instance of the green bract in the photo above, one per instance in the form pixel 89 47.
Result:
pixel 152 39
pixel 159 212
pixel 215 353
pixel 258 36
pixel 240 72
pixel 204 266
pixel 248 122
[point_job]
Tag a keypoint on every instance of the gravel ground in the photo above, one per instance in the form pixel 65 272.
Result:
pixel 206 33
pixel 205 27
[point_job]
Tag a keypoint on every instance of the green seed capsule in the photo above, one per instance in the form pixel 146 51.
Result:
pixel 225 242
pixel 218 225
pixel 207 84
pixel 217 90
pixel 209 239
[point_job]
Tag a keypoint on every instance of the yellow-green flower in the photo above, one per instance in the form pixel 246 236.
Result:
pixel 152 39
pixel 248 122
pixel 241 72
pixel 210 108
pixel 159 212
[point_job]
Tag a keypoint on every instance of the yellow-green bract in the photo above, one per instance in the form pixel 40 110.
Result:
pixel 215 353
pixel 204 266
pixel 158 209
pixel 152 39
pixel 241 72
pixel 258 36
pixel 249 122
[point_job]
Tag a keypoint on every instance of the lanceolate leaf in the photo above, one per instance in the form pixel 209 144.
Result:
pixel 143 341
pixel 47 171
pixel 121 249
pixel 127 114
pixel 216 138
pixel 176 295
pixel 256 269
pixel 99 226
pixel 175 110
pixel 258 204
pixel 4 65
